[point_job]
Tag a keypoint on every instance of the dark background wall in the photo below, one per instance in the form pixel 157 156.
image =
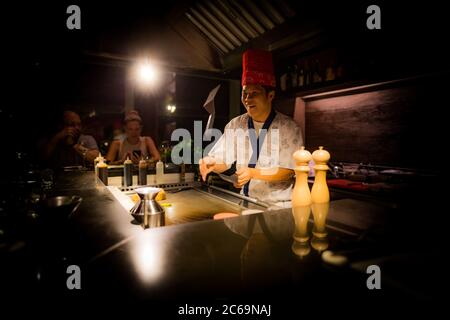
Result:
pixel 402 125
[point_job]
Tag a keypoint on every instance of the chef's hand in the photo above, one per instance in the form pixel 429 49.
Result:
pixel 244 175
pixel 206 165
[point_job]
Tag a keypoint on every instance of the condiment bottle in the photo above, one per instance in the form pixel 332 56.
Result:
pixel 127 172
pixel 102 169
pixel 142 176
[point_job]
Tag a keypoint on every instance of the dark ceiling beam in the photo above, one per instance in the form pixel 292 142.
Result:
pixel 207 33
pixel 238 19
pixel 206 24
pixel 260 15
pixel 274 14
pixel 226 21
pixel 252 21
pixel 216 22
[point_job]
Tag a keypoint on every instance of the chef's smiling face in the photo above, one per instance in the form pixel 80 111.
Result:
pixel 257 101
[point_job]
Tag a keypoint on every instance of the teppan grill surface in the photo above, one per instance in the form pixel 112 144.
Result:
pixel 189 202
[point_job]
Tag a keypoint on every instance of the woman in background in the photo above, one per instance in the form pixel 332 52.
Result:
pixel 132 145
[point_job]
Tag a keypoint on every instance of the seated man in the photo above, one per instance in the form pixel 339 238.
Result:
pixel 69 147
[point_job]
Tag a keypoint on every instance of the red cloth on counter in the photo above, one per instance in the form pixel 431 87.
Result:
pixel 347 184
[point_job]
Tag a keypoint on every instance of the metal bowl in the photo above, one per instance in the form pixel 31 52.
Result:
pixel 60 207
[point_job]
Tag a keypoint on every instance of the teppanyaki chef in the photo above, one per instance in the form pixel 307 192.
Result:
pixel 261 141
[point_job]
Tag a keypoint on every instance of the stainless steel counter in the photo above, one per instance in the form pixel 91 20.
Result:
pixel 256 255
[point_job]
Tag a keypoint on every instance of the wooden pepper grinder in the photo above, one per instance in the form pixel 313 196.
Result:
pixel 301 201
pixel 301 196
pixel 319 191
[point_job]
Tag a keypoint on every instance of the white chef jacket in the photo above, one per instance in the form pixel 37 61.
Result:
pixel 283 138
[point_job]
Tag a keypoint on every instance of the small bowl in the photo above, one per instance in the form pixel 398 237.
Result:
pixel 60 207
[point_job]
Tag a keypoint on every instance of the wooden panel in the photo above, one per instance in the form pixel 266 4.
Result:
pixel 286 106
pixel 400 126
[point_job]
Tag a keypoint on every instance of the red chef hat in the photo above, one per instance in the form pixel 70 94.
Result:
pixel 257 68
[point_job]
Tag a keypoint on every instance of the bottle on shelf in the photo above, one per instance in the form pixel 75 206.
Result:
pixel 165 151
pixel 316 75
pixel 283 79
pixel 159 172
pixel 301 78
pixel 340 72
pixel 289 78
pixel 307 74
pixel 294 77
pixel 330 71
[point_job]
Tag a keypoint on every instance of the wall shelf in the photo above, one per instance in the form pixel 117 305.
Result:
pixel 333 88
